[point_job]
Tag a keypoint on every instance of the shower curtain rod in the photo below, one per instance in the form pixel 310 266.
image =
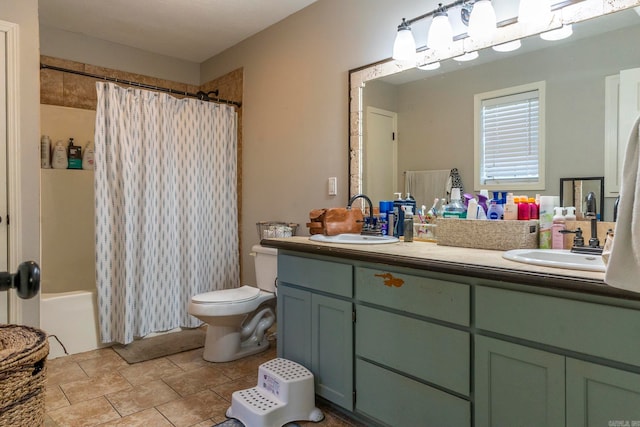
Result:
pixel 199 95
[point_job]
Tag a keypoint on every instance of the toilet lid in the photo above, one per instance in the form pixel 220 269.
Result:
pixel 241 294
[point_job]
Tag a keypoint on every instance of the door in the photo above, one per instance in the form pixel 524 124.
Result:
pixel 517 385
pixel 294 325
pixel 601 396
pixel 4 256
pixel 381 155
pixel 332 349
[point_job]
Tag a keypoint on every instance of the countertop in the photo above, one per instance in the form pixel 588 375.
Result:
pixel 479 263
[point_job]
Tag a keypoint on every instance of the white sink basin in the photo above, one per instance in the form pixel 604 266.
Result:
pixel 556 258
pixel 354 239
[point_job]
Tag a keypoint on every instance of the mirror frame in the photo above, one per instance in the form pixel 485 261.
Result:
pixel 358 77
pixel 600 197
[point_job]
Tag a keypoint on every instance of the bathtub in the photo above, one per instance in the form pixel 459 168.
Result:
pixel 73 318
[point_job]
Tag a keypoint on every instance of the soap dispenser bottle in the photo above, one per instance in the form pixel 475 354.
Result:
pixel 88 157
pixel 557 238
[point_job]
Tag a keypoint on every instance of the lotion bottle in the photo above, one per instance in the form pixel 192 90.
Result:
pixel 557 238
pixel 408 223
pixel 88 157
pixel 59 157
pixel 510 208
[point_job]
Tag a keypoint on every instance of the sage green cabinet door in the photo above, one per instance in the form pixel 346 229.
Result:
pixel 601 396
pixel 332 349
pixel 294 325
pixel 517 386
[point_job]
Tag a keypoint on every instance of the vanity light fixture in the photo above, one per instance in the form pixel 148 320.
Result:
pixel 440 35
pixel 482 22
pixel 404 47
pixel 429 67
pixel 508 46
pixel 469 56
pixel 559 34
pixel 533 12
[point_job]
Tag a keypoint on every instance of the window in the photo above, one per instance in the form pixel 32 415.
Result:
pixel 509 138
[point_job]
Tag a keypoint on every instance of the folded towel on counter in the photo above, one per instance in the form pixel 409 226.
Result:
pixel 623 269
pixel 425 186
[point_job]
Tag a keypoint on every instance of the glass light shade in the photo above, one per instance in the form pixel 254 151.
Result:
pixel 440 33
pixel 482 22
pixel 404 47
pixel 429 67
pixel 508 47
pixel 469 56
pixel 559 34
pixel 532 12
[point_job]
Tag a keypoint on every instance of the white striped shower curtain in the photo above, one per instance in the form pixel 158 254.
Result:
pixel 166 208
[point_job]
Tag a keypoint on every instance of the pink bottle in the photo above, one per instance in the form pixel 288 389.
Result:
pixel 524 211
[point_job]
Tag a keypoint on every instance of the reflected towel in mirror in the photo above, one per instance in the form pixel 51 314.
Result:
pixel 425 186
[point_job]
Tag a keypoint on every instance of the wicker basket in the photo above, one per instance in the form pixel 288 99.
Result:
pixel 23 354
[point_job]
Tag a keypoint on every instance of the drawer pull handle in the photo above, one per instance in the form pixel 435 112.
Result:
pixel 390 281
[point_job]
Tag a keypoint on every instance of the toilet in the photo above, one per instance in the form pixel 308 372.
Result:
pixel 237 319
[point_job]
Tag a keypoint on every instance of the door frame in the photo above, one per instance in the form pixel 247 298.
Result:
pixel 14 211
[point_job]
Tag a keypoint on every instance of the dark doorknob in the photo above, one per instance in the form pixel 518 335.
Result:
pixel 26 280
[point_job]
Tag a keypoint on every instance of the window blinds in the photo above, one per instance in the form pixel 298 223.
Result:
pixel 510 136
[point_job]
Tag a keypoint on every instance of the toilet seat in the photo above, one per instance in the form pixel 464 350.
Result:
pixel 228 302
pixel 227 296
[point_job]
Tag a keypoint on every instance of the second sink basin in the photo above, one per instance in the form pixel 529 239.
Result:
pixel 556 258
pixel 354 239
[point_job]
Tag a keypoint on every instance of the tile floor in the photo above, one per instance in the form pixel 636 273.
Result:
pixel 100 388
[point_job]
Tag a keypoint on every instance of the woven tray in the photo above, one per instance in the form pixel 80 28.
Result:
pixel 23 354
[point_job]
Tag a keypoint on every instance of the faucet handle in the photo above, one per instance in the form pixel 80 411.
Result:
pixel 578 240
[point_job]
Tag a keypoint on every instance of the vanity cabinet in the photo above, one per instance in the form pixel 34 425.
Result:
pixel 396 345
pixel 519 384
pixel 315 323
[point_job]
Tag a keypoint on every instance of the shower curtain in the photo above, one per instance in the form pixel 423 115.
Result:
pixel 166 208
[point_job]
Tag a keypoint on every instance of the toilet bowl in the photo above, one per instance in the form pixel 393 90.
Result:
pixel 237 319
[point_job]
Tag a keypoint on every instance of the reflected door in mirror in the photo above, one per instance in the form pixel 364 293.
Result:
pixel 380 155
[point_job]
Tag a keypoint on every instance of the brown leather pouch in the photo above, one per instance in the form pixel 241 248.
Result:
pixel 333 221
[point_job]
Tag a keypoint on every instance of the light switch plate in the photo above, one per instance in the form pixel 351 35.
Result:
pixel 332 186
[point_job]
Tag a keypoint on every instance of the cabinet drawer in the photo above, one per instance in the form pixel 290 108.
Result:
pixel 438 299
pixel 326 276
pixel 433 353
pixel 399 401
pixel 595 329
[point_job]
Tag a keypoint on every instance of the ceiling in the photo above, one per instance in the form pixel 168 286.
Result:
pixel 192 30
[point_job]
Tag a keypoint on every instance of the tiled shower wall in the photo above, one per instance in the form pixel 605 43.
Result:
pixel 70 90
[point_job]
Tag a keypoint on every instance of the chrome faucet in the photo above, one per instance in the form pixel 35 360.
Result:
pixel 593 216
pixel 369 226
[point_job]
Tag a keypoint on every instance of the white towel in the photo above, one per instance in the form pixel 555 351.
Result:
pixel 425 186
pixel 623 269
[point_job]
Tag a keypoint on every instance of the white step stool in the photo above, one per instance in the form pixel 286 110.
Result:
pixel 285 393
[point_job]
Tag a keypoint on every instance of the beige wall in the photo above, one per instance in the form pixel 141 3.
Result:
pixel 296 104
pixel 25 14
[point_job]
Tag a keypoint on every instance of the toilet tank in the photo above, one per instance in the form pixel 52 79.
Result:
pixel 266 262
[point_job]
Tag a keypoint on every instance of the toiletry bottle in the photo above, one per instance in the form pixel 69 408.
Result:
pixel 75 155
pixel 523 208
pixel 408 223
pixel 45 152
pixel 472 209
pixel 495 212
pixel 571 214
pixel 88 157
pixel 557 238
pixel 546 221
pixel 455 208
pixel 398 214
pixel 533 209
pixel 59 156
pixel 510 208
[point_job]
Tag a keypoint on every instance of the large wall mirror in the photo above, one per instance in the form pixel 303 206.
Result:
pixel 431 113
pixel 574 191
